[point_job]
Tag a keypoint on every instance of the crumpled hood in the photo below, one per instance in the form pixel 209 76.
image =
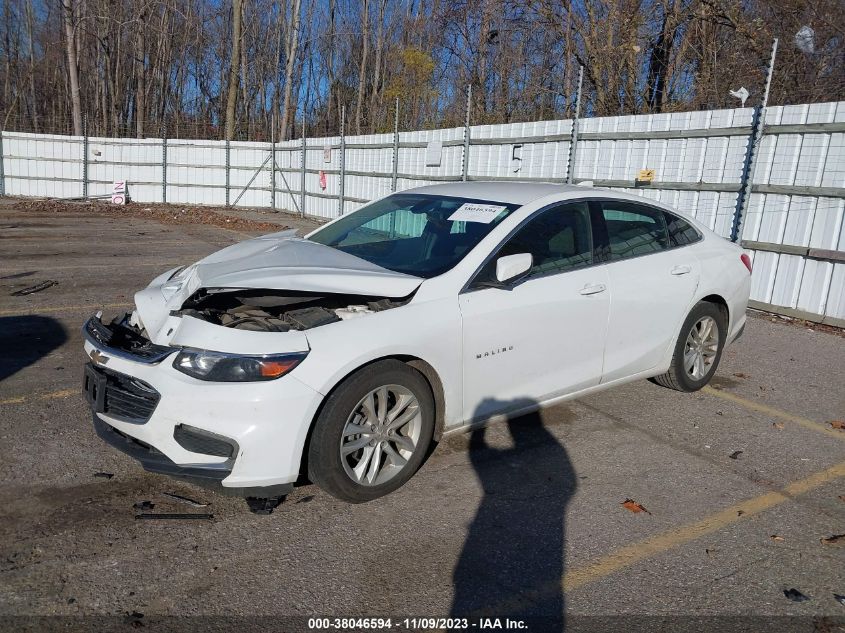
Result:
pixel 279 261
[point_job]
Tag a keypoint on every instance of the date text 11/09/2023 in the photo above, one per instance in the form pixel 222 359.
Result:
pixel 412 624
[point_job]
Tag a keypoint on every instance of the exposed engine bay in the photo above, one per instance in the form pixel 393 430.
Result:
pixel 282 311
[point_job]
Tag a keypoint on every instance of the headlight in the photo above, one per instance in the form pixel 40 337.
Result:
pixel 220 367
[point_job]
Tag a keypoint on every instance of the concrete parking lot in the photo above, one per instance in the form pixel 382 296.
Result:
pixel 742 485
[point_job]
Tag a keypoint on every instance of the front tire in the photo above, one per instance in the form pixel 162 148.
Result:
pixel 373 432
pixel 698 349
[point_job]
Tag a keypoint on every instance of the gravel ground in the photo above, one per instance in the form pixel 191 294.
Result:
pixel 740 484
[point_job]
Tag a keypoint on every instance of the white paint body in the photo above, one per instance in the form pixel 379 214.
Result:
pixel 546 339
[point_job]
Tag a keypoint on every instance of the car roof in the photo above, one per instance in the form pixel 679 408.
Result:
pixel 511 192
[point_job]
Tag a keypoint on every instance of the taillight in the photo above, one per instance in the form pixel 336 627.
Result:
pixel 747 261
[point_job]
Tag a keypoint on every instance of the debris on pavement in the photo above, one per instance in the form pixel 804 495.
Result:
pixel 36 288
pixel 795 595
pixel 187 500
pixel 263 505
pixel 634 507
pixel 837 424
pixel 839 599
pixel 836 539
pixel 164 213
pixel 103 475
pixel 144 505
pixel 739 374
pixel 173 515
pixel 776 537
pixel 778 425
pixel 735 454
pixel 133 619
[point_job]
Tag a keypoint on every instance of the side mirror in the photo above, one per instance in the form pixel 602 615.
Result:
pixel 512 266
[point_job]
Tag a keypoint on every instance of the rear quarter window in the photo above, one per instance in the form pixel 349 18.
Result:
pixel 680 231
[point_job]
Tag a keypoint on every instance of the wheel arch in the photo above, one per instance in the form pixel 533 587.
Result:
pixel 428 372
pixel 720 302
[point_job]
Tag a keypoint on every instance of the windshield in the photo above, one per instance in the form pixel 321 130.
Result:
pixel 417 234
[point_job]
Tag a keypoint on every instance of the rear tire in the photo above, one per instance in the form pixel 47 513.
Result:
pixel 698 349
pixel 373 432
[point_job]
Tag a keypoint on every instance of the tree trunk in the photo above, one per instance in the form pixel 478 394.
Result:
pixel 234 67
pixel 377 66
pixel 35 104
pixel 362 71
pixel 141 70
pixel 290 61
pixel 72 68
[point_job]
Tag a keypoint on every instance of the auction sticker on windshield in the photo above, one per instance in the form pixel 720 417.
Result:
pixel 474 212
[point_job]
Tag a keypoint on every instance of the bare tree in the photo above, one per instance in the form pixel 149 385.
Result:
pixel 69 14
pixel 234 68
pixel 290 61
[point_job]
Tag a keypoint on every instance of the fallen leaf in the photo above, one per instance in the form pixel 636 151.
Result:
pixel 739 374
pixel 739 513
pixel 633 506
pixel 775 537
pixel 795 595
pixel 777 425
pixel 735 454
pixel 837 424
pixel 836 539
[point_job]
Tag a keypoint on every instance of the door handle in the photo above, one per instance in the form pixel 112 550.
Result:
pixel 593 289
pixel 681 270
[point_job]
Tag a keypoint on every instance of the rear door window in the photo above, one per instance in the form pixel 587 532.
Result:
pixel 633 230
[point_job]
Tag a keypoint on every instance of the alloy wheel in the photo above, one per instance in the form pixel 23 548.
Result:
pixel 701 347
pixel 380 435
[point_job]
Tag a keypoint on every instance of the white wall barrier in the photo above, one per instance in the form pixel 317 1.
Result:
pixel 794 226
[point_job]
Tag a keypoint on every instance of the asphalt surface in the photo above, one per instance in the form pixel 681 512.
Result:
pixel 740 485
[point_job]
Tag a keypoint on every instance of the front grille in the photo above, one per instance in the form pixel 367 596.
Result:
pixel 128 398
pixel 120 337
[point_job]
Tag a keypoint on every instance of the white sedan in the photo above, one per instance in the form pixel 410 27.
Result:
pixel 342 356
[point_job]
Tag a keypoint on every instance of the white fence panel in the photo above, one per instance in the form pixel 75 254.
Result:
pixel 794 225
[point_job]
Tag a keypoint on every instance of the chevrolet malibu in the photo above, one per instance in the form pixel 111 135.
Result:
pixel 342 356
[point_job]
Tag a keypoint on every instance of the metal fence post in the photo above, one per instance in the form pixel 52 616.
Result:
pixel 744 195
pixel 273 162
pixel 2 168
pixel 302 177
pixel 227 172
pixel 164 163
pixel 342 183
pixel 85 157
pixel 573 140
pixel 395 147
pixel 465 168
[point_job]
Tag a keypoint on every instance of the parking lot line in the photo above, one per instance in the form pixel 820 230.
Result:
pixel 636 552
pixel 33 310
pixel 775 413
pixel 64 393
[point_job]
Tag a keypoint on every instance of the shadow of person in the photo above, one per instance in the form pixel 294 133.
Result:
pixel 26 339
pixel 512 562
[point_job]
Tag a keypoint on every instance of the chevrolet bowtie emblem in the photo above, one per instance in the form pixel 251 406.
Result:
pixel 98 358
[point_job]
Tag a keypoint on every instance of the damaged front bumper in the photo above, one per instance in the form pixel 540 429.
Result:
pixel 244 439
